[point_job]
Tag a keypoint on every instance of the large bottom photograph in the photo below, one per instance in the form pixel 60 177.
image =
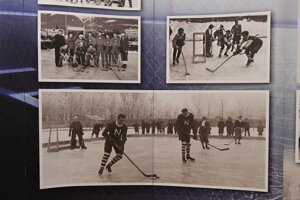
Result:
pixel 204 139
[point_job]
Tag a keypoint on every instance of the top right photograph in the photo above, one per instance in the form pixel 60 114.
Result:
pixel 230 48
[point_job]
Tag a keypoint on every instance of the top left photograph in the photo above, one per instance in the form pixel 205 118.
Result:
pixel 134 5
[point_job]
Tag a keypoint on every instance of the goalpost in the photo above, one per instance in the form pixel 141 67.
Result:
pixel 199 48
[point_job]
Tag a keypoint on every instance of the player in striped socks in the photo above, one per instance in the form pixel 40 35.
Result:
pixel 115 137
pixel 184 125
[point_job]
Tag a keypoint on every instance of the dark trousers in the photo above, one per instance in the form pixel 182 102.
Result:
pixel 176 53
pixel 57 56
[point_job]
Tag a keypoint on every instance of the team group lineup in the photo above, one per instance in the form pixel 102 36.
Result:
pixel 98 49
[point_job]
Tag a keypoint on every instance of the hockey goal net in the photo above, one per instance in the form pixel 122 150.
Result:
pixel 199 50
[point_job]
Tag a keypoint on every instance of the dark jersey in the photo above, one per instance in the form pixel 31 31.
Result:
pixel 238 124
pixel 76 127
pixel 221 125
pixel 178 40
pixel 58 41
pixel 236 29
pixel 185 124
pixel 96 128
pixel 115 132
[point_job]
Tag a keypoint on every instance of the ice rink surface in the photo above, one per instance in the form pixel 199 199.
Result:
pixel 49 71
pixel 234 70
pixel 243 166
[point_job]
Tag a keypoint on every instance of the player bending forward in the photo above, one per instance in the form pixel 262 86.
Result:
pixel 115 137
pixel 225 41
pixel 184 125
pixel 252 46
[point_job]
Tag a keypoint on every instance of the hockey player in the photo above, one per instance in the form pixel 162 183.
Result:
pixel 76 129
pixel 252 46
pixel 115 45
pixel 71 43
pixel 221 126
pixel 236 30
pixel 178 43
pixel 204 131
pixel 238 129
pixel 124 48
pixel 184 125
pixel 209 40
pixel 80 51
pixel 96 130
pixel 90 56
pixel 225 41
pixel 217 34
pixel 115 137
pixel 107 51
pixel 100 50
pixel 63 55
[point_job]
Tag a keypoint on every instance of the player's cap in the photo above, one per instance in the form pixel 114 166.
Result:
pixel 221 26
pixel 211 26
pixel 228 31
pixel 240 117
pixel 184 110
pixel 180 29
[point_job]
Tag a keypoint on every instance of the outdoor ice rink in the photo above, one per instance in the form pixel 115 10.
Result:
pixel 243 166
pixel 50 71
pixel 234 70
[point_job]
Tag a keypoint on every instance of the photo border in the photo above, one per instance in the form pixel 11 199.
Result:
pixel 138 8
pixel 153 183
pixel 168 81
pixel 40 79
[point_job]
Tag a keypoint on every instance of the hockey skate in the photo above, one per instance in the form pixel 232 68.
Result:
pixel 100 172
pixel 108 167
pixel 190 158
pixel 250 60
pixel 184 160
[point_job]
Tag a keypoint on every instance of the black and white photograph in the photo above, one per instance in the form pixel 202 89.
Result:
pixel 133 5
pixel 78 47
pixel 297 138
pixel 212 139
pixel 229 48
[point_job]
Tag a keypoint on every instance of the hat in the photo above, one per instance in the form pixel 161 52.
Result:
pixel 184 110
pixel 181 29
pixel 221 25
pixel 211 26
